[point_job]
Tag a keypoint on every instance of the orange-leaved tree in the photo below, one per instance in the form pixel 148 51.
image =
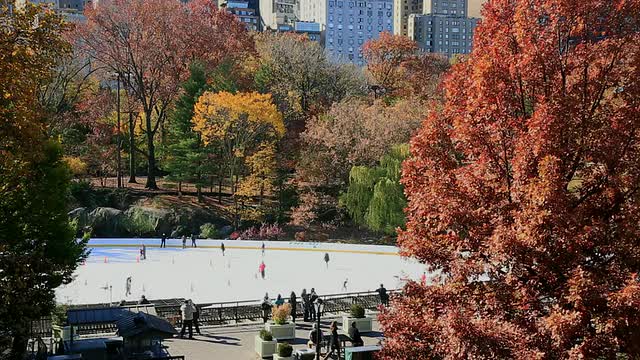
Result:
pixel 523 192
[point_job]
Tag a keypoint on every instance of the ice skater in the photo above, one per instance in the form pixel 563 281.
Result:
pixel 222 248
pixel 163 241
pixel 423 279
pixel 184 241
pixel 144 252
pixel 261 268
pixel 344 285
pixel 128 286
pixel 262 248
pixel 326 259
pixel 193 241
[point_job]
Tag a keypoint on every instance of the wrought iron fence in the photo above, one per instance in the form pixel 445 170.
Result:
pixel 220 313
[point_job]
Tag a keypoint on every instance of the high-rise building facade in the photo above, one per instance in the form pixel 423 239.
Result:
pixel 245 13
pixel 443 28
pixel 347 25
pixel 275 13
pixel 401 11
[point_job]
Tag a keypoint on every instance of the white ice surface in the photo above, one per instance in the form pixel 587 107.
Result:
pixel 205 275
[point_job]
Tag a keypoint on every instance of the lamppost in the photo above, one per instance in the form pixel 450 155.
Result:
pixel 319 307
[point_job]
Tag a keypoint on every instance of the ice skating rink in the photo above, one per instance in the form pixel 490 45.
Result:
pixel 205 275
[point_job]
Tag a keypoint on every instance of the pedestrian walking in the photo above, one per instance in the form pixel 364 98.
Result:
pixel 384 297
pixel 193 241
pixel 222 248
pixel 196 316
pixel 186 310
pixel 326 259
pixel 305 305
pixel 163 241
pixel 334 341
pixel 293 301
pixel 127 288
pixel 184 241
pixel 261 269
pixel 266 307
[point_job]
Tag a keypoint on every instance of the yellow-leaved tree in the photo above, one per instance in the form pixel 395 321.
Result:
pixel 245 128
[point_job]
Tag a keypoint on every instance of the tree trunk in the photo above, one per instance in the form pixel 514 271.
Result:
pixel 199 191
pixel 132 150
pixel 151 168
pixel 220 178
pixel 179 188
pixel 19 343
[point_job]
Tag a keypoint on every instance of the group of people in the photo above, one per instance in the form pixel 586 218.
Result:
pixel 316 336
pixel 163 241
pixel 308 301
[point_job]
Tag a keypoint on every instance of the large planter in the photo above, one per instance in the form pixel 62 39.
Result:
pixel 265 348
pixel 282 332
pixel 278 357
pixel 364 324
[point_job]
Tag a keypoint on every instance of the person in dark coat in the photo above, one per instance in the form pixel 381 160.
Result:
pixel 143 301
pixel 384 297
pixel 163 242
pixel 293 300
pixel 354 334
pixel 193 241
pixel 305 305
pixel 312 299
pixel 334 341
pixel 326 259
pixel 196 316
pixel 266 307
pixel 222 248
pixel 279 300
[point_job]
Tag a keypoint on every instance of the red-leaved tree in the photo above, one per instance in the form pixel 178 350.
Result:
pixel 523 192
pixel 149 45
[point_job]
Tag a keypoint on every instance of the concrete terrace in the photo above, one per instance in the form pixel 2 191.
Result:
pixel 237 342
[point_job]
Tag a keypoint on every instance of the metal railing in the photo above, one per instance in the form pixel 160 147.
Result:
pixel 220 313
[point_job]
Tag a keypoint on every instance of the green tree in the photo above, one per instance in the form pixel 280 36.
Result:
pixel 38 251
pixel 186 155
pixel 375 197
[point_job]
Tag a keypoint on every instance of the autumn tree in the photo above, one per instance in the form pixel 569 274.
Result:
pixel 38 251
pixel 397 69
pixel 523 192
pixel 149 46
pixel 241 125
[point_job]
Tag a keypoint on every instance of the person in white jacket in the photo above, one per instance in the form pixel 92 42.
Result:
pixel 187 311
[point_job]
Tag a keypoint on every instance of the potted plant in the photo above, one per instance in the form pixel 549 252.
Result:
pixel 363 323
pixel 285 352
pixel 279 327
pixel 265 344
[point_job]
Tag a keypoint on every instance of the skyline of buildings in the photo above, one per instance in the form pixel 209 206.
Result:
pixel 342 26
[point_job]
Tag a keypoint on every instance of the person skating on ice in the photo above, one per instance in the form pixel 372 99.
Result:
pixel 261 269
pixel 128 287
pixel 326 259
pixel 193 241
pixel 184 241
pixel 163 241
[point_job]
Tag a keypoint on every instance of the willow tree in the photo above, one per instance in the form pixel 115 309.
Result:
pixel 375 197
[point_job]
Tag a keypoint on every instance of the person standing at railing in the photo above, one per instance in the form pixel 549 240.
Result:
pixel 196 316
pixel 293 300
pixel 305 305
pixel 186 310
pixel 384 297
pixel 266 307
pixel 312 299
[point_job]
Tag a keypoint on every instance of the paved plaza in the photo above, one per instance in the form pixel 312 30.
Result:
pixel 238 342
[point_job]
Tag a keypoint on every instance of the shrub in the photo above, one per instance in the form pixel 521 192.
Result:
pixel 285 350
pixel 208 231
pixel 59 315
pixel 82 192
pixel 234 235
pixel 270 231
pixel 281 313
pixel 357 311
pixel 139 224
pixel 266 335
